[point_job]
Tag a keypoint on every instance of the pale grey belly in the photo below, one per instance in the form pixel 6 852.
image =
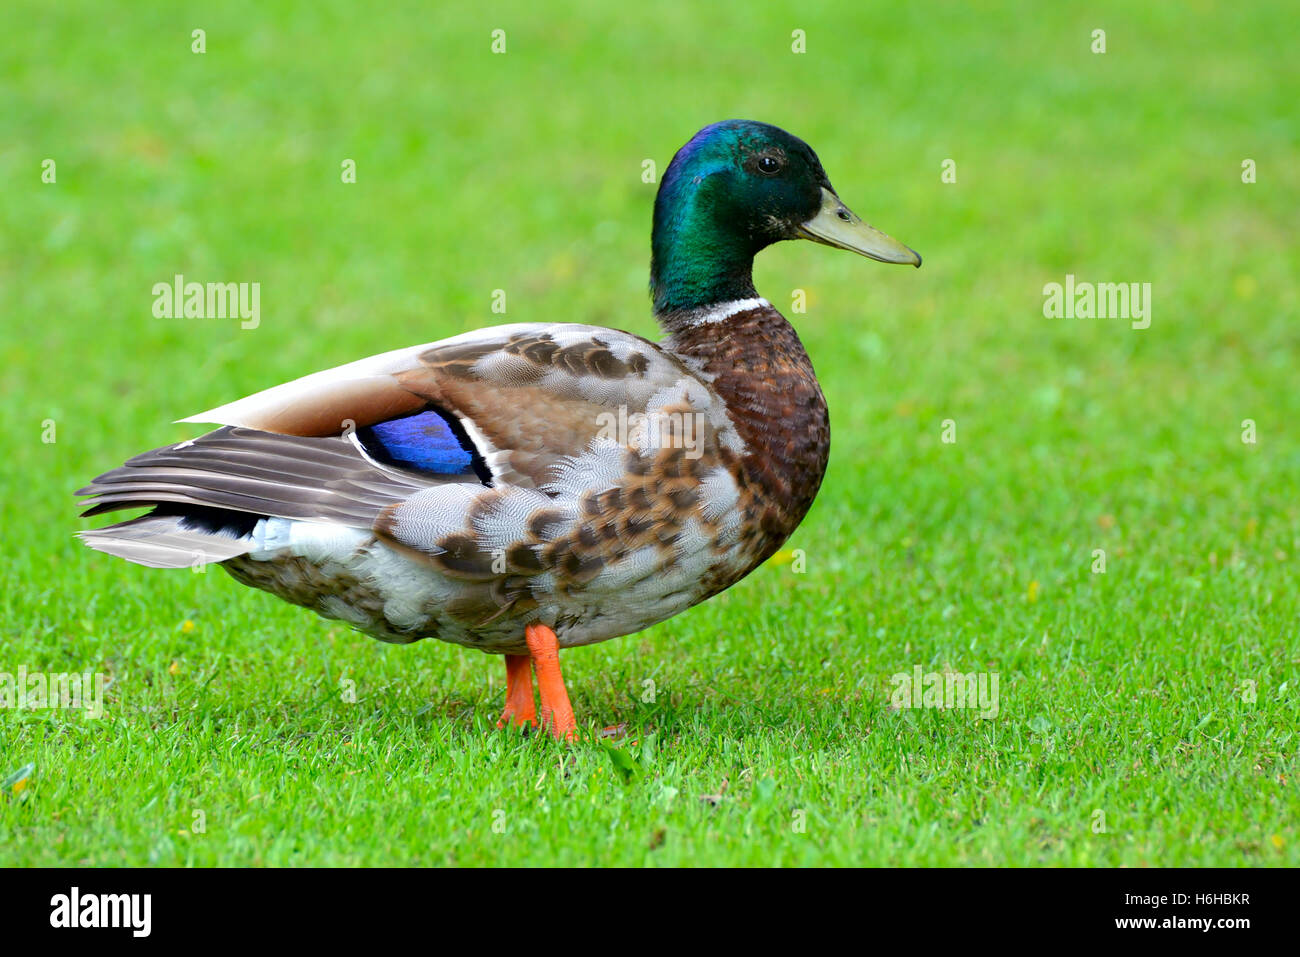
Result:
pixel 386 594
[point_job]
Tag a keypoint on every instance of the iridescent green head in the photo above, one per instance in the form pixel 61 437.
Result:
pixel 735 188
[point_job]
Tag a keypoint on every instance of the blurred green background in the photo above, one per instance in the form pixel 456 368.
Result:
pixel 1128 693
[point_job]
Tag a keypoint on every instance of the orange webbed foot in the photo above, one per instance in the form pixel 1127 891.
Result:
pixel 557 712
pixel 520 710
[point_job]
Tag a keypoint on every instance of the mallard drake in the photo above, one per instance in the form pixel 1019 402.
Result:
pixel 531 487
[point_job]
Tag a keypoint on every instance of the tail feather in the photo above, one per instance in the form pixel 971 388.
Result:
pixel 162 541
pixel 208 493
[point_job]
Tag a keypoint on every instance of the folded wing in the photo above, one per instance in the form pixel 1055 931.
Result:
pixel 465 420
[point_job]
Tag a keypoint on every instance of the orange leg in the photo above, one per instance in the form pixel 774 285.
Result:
pixel 557 713
pixel 520 709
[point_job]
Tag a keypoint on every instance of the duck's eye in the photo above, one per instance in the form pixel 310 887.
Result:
pixel 769 165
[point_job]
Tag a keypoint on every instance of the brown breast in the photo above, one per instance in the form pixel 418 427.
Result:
pixel 758 366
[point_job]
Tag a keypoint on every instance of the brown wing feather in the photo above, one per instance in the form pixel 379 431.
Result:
pixel 534 395
pixel 315 479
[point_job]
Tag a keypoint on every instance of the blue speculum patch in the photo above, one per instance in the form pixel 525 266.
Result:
pixel 424 441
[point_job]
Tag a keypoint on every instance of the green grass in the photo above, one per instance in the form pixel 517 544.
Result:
pixel 1121 692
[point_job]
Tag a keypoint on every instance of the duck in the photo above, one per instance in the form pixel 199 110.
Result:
pixel 527 488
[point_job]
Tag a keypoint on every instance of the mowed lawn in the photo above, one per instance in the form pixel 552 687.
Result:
pixel 1147 715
